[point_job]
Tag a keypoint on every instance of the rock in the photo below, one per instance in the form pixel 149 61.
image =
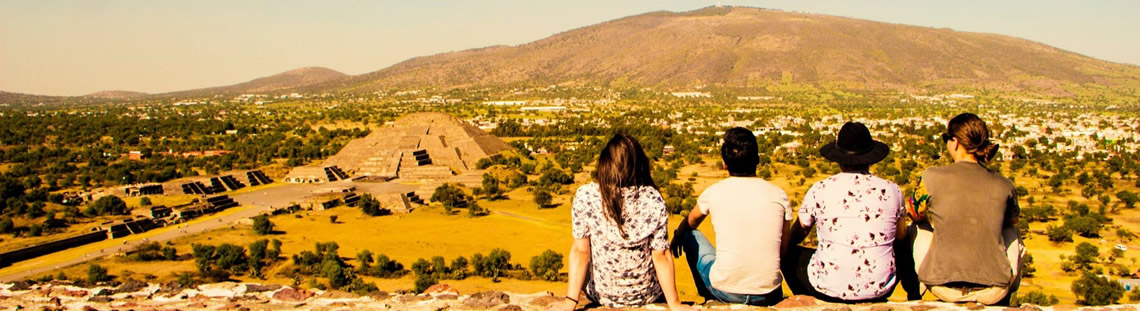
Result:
pixel 1024 307
pixel 797 301
pixel 974 306
pixel 412 298
pixel 103 292
pixel 510 308
pixel 130 286
pixel 70 293
pixel 446 297
pixel 232 305
pixel 486 300
pixel 922 307
pixel 89 308
pixel 1064 307
pixel 257 288
pixel 379 295
pixel 100 299
pixel 441 289
pixel 20 286
pixel 55 301
pixel 292 294
pixel 881 307
pixel 338 294
pixel 839 308
pixel 544 301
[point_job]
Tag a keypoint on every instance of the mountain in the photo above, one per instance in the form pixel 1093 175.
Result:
pixel 283 81
pixel 734 46
pixel 116 94
pixel 9 98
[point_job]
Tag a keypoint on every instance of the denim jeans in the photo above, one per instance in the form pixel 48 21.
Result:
pixel 701 255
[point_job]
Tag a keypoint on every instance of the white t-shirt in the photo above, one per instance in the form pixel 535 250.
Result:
pixel 748 215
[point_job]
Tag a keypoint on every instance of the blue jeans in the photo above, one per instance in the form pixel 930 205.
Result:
pixel 701 255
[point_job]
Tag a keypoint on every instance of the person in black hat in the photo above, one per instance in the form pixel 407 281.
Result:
pixel 856 215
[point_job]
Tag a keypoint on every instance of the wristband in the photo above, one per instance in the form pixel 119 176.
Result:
pixel 571 299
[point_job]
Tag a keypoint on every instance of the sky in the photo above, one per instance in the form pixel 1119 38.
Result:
pixel 79 47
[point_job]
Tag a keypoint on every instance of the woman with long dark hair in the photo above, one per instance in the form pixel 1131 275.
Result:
pixel 619 228
pixel 966 244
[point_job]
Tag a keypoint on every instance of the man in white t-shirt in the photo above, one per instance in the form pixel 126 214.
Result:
pixel 750 217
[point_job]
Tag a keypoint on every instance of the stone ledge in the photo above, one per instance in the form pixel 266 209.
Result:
pixel 241 296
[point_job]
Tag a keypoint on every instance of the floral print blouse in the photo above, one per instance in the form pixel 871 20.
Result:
pixel 856 215
pixel 621 268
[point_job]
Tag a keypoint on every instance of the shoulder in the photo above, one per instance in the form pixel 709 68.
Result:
pixel 591 187
pixel 883 182
pixel 1002 180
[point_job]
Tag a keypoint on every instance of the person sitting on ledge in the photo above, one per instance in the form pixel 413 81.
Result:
pixel 749 216
pixel 619 224
pixel 856 216
pixel 966 246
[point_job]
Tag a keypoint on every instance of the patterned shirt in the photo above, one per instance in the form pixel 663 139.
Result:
pixel 621 269
pixel 856 215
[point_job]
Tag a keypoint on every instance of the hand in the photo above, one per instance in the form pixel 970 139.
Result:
pixel 675 244
pixel 562 305
pixel 681 307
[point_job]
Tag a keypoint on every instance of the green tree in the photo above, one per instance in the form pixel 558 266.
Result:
pixel 6 225
pixel 1128 198
pixel 262 225
pixel 491 187
pixel 1085 226
pixel 1094 290
pixel 1027 268
pixel 1035 298
pixel 1086 256
pixel 1059 234
pixel 96 274
pixel 144 201
pixel 546 265
pixel 108 205
pixel 542 197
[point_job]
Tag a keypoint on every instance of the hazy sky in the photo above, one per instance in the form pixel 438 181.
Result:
pixel 79 47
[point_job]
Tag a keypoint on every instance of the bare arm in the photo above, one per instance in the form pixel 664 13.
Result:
pixel 794 233
pixel 579 262
pixel 663 263
pixel 693 220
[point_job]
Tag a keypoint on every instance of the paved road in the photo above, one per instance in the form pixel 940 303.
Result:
pixel 253 203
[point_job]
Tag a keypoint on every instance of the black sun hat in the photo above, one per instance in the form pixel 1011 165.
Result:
pixel 854 146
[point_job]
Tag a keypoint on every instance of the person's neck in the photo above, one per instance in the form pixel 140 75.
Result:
pixel 855 169
pixel 741 175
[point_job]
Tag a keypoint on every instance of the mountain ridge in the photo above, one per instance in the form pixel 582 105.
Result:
pixel 735 46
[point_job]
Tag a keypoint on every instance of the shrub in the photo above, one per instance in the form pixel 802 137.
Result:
pixel 1086 256
pixel 423 281
pixel 6 225
pixel 96 274
pixel 542 197
pixel 1094 290
pixel 1027 268
pixel 1085 226
pixel 1035 298
pixel 145 201
pixel 108 205
pixel 1059 233
pixel 546 265
pixel 262 225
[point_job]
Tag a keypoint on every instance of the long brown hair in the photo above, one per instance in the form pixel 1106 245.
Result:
pixel 622 164
pixel 973 135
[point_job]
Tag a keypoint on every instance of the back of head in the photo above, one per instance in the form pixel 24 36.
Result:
pixel 622 163
pixel 973 135
pixel 739 152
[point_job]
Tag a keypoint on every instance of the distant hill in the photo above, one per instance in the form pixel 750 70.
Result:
pixel 26 99
pixel 747 47
pixel 116 94
pixel 286 80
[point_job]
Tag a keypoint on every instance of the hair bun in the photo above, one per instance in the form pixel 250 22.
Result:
pixel 986 151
